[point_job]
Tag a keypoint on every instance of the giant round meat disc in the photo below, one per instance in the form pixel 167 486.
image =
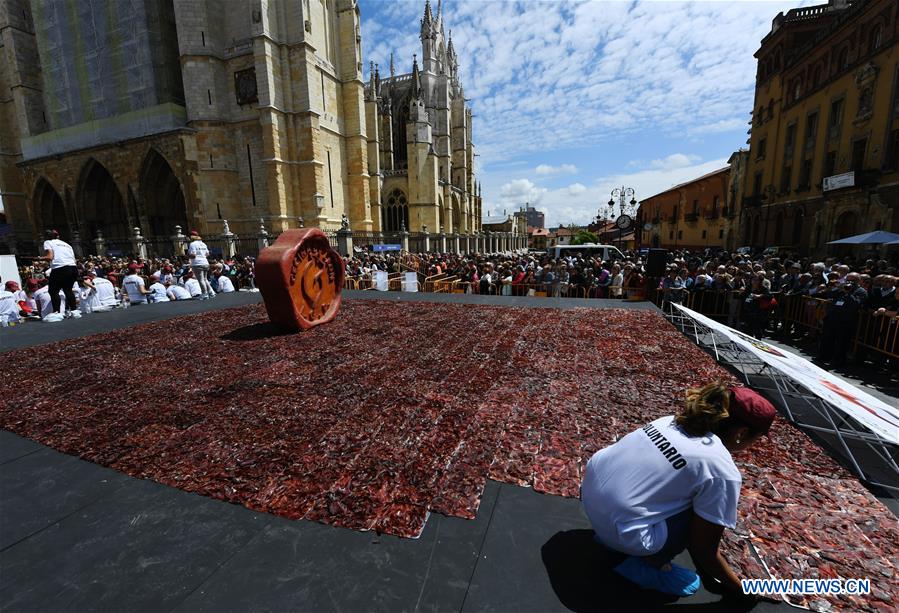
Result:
pixel 300 277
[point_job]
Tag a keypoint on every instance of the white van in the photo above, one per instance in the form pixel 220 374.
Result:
pixel 588 250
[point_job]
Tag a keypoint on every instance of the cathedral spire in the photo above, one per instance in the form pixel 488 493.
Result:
pixel 392 69
pixel 427 20
pixel 416 78
pixel 439 9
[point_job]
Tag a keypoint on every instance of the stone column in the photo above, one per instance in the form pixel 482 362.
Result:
pixel 442 245
pixel 178 241
pixel 230 240
pixel 262 236
pixel 426 239
pixel 404 239
pixel 345 238
pixel 100 244
pixel 77 247
pixel 139 244
pixel 456 243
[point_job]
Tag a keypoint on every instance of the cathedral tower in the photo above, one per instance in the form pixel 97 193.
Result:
pixel 419 140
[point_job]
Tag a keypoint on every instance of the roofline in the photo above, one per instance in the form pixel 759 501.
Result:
pixel 680 185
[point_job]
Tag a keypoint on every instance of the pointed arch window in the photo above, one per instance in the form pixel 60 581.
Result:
pixel 396 212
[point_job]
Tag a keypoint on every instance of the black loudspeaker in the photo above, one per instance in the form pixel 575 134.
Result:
pixel 656 262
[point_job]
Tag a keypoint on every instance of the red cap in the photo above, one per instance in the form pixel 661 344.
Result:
pixel 132 267
pixel 194 233
pixel 32 285
pixel 12 286
pixel 752 409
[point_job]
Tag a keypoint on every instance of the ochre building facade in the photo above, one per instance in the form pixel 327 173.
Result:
pixel 692 215
pixel 824 147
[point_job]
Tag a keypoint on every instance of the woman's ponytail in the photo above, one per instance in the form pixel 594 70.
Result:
pixel 704 409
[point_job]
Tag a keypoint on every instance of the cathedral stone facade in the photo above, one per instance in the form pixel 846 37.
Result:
pixel 154 114
pixel 420 151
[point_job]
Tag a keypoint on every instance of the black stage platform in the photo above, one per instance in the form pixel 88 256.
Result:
pixel 78 537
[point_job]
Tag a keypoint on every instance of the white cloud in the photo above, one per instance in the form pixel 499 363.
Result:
pixel 561 169
pixel 576 188
pixel 675 160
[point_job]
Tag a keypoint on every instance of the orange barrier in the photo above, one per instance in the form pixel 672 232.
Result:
pixel 878 333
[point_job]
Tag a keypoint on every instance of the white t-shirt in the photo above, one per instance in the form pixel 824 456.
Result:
pixel 193 286
pixel 653 473
pixel 200 251
pixel 159 293
pixel 62 253
pixel 45 304
pixel 225 285
pixel 105 294
pixel 176 292
pixel 9 308
pixel 133 284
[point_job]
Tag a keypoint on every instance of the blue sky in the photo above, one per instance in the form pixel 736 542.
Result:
pixel 573 98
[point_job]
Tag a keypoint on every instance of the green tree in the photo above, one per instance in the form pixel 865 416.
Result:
pixel 583 237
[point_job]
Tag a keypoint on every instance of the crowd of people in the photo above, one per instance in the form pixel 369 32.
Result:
pixel 57 285
pixel 750 287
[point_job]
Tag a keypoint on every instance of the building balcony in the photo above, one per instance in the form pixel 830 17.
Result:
pixel 691 217
pixel 711 214
pixel 672 219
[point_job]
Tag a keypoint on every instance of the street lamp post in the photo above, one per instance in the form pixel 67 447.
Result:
pixel 625 208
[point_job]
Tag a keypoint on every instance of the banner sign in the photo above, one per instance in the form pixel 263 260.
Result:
pixel 386 247
pixel 410 282
pixel 877 416
pixel 847 179
pixel 380 278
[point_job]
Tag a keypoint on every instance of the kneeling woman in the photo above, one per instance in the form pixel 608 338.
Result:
pixel 673 485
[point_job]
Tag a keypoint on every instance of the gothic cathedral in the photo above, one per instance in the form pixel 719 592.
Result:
pixel 420 151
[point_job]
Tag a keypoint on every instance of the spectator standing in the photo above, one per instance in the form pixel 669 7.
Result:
pixel 617 282
pixel 841 319
pixel 199 264
pixel 63 275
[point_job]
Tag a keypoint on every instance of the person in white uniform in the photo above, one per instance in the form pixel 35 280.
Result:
pixel 45 306
pixel 134 286
pixel 9 308
pixel 673 485
pixel 157 290
pixel 100 293
pixel 199 264
pixel 176 292
pixel 63 275
pixel 222 281
pixel 192 285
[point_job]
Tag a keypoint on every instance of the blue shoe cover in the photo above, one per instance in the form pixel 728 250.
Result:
pixel 678 581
